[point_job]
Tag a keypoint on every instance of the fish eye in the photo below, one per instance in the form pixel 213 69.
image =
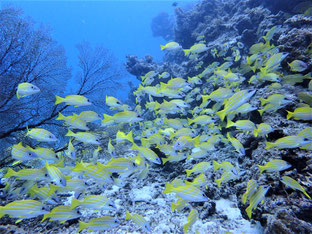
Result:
pixel 116 221
pixel 118 102
pixel 29 154
pixel 85 183
pixel 133 164
pixel 57 156
pixel 46 175
pixel 50 136
pixel 42 208
pixel 306 139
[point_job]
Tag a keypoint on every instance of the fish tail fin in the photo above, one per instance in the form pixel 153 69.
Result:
pixel 261 111
pixel 219 181
pixel 188 172
pixel 229 123
pixel 262 168
pixel 128 215
pixel 255 132
pixel 70 133
pixel 173 207
pixel 186 227
pixel 168 188
pixel 269 145
pixel 9 173
pixel 221 114
pixel 244 198
pixel 263 101
pixel 79 167
pixel 75 202
pixel 186 52
pixel 172 134
pixel 17 95
pixel 107 117
pixel 289 114
pixel 58 100
pixel 305 193
pixel 82 225
pixel 134 146
pixel 162 47
pixel 249 211
pixel 164 160
pixel 163 86
pixel 60 116
pixel 129 136
pixel 45 216
pixel 190 121
pixel 216 165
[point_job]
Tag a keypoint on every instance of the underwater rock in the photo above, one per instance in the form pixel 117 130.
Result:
pixel 139 67
pixel 162 26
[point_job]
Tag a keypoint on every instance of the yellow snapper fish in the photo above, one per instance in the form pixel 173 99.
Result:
pixel 41 135
pixel 73 121
pixel 226 166
pixel 55 175
pixel 274 62
pixel 246 125
pixel 28 174
pixel 103 223
pixel 186 142
pixel 263 129
pixel 111 148
pixel 187 192
pixel 62 214
pixel 45 153
pixel 88 116
pixel 74 100
pixel 251 189
pixel 191 219
pixel 118 165
pixel 174 158
pixel 23 209
pixel 124 117
pixel 179 205
pixel 274 165
pixel 198 168
pixel 85 137
pixel 112 101
pixel 236 144
pixel 298 66
pixel 301 113
pixel 138 220
pixel 288 142
pixel 26 89
pixel 171 46
pixel 235 102
pixel 277 99
pixel 45 194
pixel 21 153
pixel 147 153
pixel 256 198
pixel 200 180
pixel 164 75
pixel 227 176
pixel 290 182
pixel 197 48
pixel 174 83
pixel 148 75
pixel 96 202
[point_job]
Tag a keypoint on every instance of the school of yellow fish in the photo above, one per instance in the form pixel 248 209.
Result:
pixel 188 116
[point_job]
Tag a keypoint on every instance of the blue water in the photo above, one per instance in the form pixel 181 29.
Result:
pixel 121 26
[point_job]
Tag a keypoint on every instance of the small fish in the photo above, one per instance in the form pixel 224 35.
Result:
pixel 88 116
pixel 121 136
pixel 85 137
pixel 62 214
pixel 290 182
pixel 235 102
pixel 226 166
pixel 185 142
pixel 111 148
pixel 70 152
pixel 227 176
pixel 288 142
pixel 200 180
pixel 147 153
pixel 164 75
pixel 246 125
pixel 191 219
pixel 124 117
pixel 201 120
pixel 198 168
pixel 73 121
pixel 256 198
pixel 301 113
pixel 73 185
pixel 45 153
pixel 148 75
pixel 55 175
pixel 21 153
pixel 306 133
pixel 44 194
pixel 174 83
pixel 274 62
pixel 138 220
pixel 96 202
pixel 28 174
pixel 174 158
pixel 103 223
pixel 118 165
pixel 270 33
pixel 251 189
pixel 74 100
pixel 26 89
pixel 41 134
pixel 298 66
pixel 236 144
pixel 174 123
pixel 23 209
pixel 179 205
pixel 196 48
pixel 183 132
pixel 171 46
pixel 276 99
pixel 274 165
pixel 96 153
pixel 187 192
pixel 263 130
